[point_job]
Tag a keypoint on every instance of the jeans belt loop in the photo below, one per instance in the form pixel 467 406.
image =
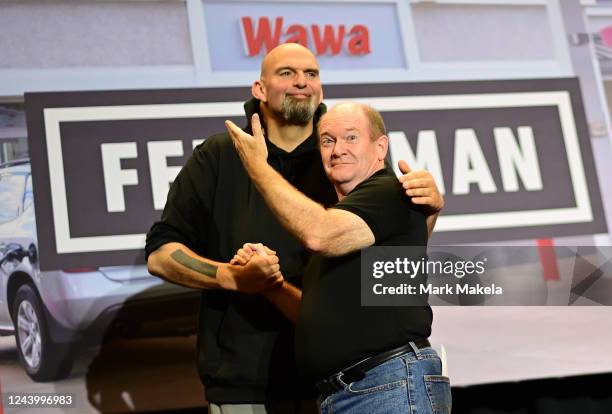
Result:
pixel 415 349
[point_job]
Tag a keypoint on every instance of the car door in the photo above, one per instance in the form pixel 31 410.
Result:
pixel 12 191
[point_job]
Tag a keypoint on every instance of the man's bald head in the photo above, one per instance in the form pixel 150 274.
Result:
pixel 283 52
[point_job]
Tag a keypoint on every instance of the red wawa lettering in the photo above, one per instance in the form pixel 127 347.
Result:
pixel 328 40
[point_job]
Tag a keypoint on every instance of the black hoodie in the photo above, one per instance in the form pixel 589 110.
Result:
pixel 245 345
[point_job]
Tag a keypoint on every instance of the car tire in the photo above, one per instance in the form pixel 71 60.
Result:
pixel 40 356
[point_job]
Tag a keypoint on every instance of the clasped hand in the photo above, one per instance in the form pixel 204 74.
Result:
pixel 257 267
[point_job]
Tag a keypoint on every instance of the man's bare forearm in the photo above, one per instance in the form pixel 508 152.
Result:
pixel 177 264
pixel 197 265
pixel 303 217
pixel 287 299
pixel 330 232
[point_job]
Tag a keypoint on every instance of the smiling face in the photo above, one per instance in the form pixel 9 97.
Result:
pixel 349 152
pixel 289 88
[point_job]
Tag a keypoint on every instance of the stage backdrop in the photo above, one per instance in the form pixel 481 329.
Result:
pixel 513 159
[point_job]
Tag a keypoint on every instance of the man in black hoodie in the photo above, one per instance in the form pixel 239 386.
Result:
pixel 245 345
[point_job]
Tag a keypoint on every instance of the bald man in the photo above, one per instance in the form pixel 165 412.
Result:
pixel 245 345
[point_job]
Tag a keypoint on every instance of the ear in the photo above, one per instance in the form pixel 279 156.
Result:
pixel 258 90
pixel 382 146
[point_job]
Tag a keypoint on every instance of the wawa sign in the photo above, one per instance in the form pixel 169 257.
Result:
pixel 345 36
pixel 267 33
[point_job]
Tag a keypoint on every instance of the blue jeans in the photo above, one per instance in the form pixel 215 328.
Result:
pixel 410 383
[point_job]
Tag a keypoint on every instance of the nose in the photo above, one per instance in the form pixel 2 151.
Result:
pixel 300 79
pixel 339 149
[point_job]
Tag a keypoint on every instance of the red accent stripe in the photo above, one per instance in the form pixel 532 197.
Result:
pixel 548 259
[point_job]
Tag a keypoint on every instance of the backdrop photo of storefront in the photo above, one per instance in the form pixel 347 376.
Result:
pixel 505 102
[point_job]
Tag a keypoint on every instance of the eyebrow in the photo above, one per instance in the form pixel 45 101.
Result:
pixel 315 70
pixel 325 133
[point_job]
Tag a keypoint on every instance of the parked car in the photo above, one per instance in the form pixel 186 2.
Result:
pixel 52 312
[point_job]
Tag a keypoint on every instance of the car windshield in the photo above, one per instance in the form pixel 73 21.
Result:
pixel 11 195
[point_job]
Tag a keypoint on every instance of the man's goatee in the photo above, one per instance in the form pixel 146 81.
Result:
pixel 297 111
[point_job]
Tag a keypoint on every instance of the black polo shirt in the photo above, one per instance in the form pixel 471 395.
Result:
pixel 334 330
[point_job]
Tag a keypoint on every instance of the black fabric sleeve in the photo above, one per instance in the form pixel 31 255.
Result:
pixel 187 212
pixel 381 202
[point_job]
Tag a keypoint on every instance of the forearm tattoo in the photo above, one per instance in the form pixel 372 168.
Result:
pixel 194 264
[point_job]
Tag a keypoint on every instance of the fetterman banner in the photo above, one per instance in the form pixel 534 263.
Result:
pixel 513 158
